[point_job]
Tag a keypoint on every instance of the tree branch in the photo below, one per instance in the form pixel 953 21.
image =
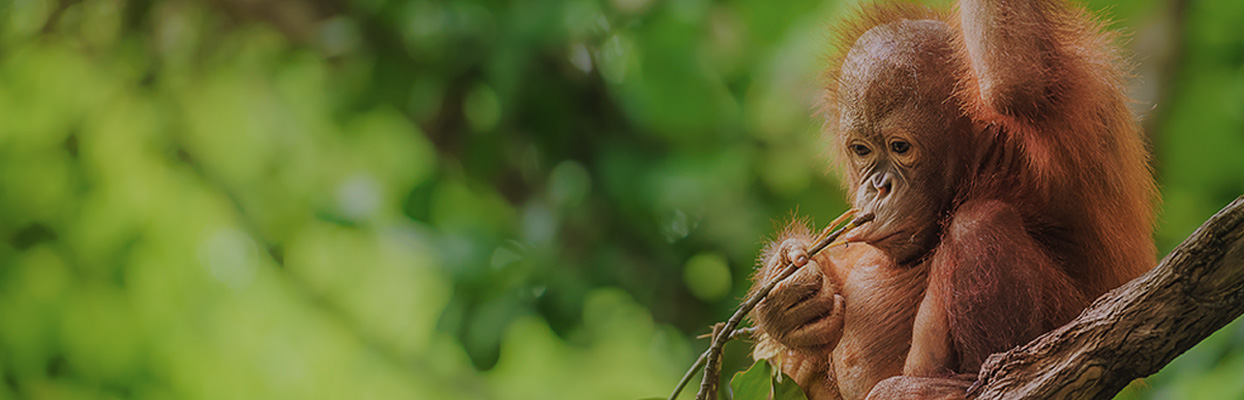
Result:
pixel 1136 329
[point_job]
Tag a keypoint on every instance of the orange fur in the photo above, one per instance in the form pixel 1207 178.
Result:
pixel 1050 195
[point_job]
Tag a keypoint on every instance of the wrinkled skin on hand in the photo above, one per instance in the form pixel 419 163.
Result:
pixel 834 336
pixel 802 308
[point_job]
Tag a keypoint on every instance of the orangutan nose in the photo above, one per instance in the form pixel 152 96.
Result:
pixel 883 183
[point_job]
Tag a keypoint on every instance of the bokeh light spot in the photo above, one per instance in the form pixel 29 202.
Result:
pixel 707 275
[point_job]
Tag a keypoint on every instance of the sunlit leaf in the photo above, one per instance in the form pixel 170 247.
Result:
pixel 784 388
pixel 753 384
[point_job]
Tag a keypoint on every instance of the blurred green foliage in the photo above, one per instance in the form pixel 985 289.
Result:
pixel 469 199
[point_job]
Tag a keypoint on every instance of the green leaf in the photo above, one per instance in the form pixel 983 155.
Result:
pixel 761 383
pixel 754 383
pixel 784 388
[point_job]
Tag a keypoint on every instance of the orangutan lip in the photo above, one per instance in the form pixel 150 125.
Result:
pixel 859 236
pixel 883 238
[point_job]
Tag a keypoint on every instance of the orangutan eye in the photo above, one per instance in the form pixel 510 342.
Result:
pixel 899 147
pixel 860 150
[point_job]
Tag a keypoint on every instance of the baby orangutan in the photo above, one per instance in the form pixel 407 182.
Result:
pixel 1010 187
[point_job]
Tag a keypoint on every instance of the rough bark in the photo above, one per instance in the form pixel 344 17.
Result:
pixel 1136 329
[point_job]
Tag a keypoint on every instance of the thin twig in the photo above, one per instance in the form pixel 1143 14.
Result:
pixel 711 358
pixel 699 362
pixel 712 365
